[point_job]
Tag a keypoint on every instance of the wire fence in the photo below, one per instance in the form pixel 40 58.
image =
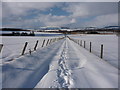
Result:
pixel 14 50
pixel 88 46
pixel 107 51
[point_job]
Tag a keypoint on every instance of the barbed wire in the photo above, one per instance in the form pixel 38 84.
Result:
pixel 24 42
pixel 19 49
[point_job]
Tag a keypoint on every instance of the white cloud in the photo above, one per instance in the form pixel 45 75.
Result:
pixel 104 12
pixel 55 20
pixel 91 9
pixel 103 20
pixel 73 21
pixel 27 23
pixel 18 8
pixel 77 9
pixel 42 20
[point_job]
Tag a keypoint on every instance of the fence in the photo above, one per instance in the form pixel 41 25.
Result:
pixel 82 43
pixel 20 49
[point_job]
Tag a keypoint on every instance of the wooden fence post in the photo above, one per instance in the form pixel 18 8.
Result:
pixel 81 43
pixel 36 45
pixel 78 42
pixel 1 46
pixel 47 42
pixel 90 46
pixel 101 54
pixel 23 51
pixel 50 41
pixel 43 42
pixel 84 44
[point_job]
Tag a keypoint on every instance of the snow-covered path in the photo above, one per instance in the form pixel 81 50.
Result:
pixel 63 64
pixel 77 68
pixel 28 70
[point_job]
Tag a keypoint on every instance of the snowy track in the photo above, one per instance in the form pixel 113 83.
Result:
pixel 63 64
pixel 29 69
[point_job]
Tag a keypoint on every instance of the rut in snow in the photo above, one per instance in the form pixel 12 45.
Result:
pixel 63 73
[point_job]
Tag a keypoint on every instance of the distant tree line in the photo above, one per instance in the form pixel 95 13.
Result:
pixel 13 29
pixel 16 32
pixel 22 34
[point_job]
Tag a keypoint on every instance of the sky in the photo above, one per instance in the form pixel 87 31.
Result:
pixel 34 15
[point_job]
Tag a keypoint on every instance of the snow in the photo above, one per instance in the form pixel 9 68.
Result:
pixel 13 45
pixel 26 71
pixel 47 34
pixel 76 68
pixel 110 43
pixel 63 64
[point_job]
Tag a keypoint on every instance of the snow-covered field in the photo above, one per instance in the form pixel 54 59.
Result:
pixel 44 34
pixel 63 64
pixel 110 43
pixel 13 45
